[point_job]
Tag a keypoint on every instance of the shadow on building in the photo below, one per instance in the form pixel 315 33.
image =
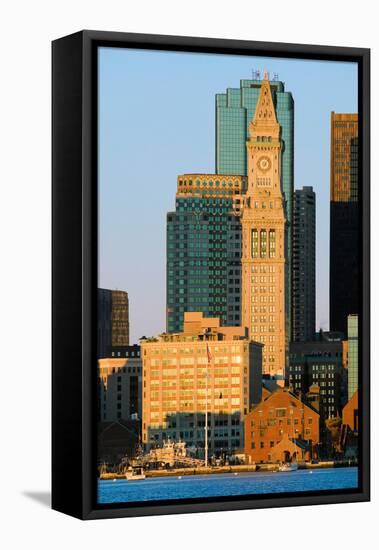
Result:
pixel 117 441
pixel 225 433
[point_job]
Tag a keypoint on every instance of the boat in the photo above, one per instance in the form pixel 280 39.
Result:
pixel 288 467
pixel 135 474
pixel 173 454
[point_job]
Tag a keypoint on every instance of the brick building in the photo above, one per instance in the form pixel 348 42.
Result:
pixel 280 428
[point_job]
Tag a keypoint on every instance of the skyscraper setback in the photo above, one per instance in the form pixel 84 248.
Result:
pixel 304 265
pixel 344 220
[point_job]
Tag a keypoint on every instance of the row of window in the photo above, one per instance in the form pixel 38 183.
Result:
pixel 259 243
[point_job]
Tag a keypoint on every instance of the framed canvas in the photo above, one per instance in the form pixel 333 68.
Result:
pixel 211 301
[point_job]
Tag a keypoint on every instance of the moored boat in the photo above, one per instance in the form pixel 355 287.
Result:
pixel 135 474
pixel 288 467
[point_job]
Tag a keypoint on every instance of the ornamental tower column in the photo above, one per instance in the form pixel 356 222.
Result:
pixel 263 237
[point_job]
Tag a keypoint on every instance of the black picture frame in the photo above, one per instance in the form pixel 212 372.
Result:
pixel 74 270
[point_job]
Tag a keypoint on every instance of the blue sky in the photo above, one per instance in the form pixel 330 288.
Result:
pixel 157 120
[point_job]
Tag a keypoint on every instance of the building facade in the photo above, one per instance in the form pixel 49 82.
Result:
pixel 112 320
pixel 319 363
pixel 304 265
pixel 206 367
pixel 127 352
pixel 264 237
pixel 281 428
pixel 204 249
pixel 352 371
pixel 234 110
pixel 344 220
pixel 120 389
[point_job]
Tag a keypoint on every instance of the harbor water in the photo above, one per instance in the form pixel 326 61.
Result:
pixel 217 485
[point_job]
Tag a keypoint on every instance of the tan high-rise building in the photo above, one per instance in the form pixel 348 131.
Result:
pixel 344 261
pixel 344 157
pixel 263 237
pixel 205 367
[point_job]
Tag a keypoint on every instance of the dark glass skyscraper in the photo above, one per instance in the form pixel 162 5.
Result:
pixel 344 221
pixel 112 320
pixel 304 265
pixel 204 249
pixel 234 110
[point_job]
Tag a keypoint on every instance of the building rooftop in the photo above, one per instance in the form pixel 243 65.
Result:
pixel 282 397
pixel 199 328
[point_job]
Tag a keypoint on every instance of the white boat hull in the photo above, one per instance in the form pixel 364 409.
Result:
pixel 135 478
pixel 289 467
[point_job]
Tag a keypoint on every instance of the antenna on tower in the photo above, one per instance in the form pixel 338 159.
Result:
pixel 276 77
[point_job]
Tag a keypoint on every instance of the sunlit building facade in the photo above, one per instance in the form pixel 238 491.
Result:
pixel 264 237
pixel 207 367
pixel 234 111
pixel 281 428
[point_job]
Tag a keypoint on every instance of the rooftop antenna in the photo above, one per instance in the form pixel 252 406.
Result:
pixel 276 77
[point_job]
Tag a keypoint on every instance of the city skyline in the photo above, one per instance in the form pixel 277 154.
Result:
pixel 187 143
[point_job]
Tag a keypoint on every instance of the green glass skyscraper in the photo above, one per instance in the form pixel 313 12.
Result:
pixel 234 110
pixel 204 249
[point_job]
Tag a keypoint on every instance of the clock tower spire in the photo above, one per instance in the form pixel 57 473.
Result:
pixel 263 236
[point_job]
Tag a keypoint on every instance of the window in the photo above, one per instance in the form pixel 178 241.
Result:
pixel 254 243
pixel 263 243
pixel 272 243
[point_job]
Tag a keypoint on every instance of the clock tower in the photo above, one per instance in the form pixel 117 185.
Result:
pixel 263 237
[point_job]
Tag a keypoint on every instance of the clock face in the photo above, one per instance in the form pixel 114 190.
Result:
pixel 264 164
